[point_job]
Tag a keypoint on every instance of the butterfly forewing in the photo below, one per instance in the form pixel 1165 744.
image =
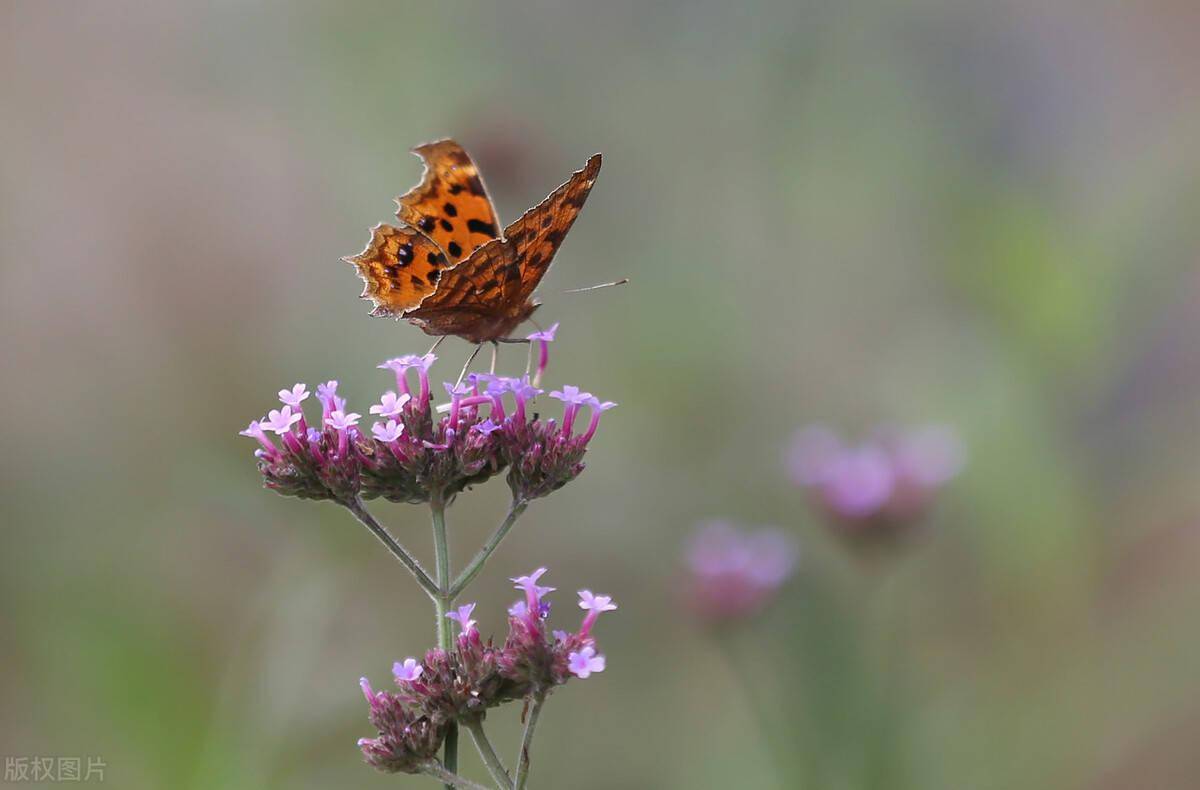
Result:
pixel 536 236
pixel 451 204
pixel 400 268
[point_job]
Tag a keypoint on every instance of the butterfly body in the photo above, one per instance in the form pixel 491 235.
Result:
pixel 447 269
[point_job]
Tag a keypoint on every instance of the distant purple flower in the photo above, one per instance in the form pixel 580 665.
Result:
pixel 462 616
pixel 281 420
pixel 543 338
pixel 295 396
pixel 390 404
pixel 408 671
pixel 585 661
pixel 735 573
pixel 387 433
pixel 884 483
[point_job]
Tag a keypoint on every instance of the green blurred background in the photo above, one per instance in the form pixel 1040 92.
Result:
pixel 924 210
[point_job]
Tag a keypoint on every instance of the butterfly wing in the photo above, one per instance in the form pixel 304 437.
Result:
pixel 490 290
pixel 400 268
pixel 537 235
pixel 451 204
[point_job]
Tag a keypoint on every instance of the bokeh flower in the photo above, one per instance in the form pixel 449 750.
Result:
pixel 880 487
pixel 735 573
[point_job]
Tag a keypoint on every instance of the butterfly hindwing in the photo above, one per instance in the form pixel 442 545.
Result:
pixel 400 268
pixel 451 204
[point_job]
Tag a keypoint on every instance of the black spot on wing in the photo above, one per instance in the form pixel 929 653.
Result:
pixel 481 227
pixel 450 210
pixel 454 249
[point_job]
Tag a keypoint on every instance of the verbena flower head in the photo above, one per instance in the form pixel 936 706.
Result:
pixel 881 487
pixel 308 462
pixel 536 659
pixel 417 451
pixel 735 573
pixel 407 739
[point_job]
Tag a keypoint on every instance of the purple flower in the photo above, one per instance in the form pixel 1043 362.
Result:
pixel 597 408
pixel 341 421
pixel 294 396
pixel 533 593
pixel 327 395
pixel 255 431
pixel 463 617
pixel 486 427
pixel 401 365
pixel 543 338
pixel 584 662
pixel 407 672
pixel 391 405
pixel 594 605
pixel 387 433
pixel 733 573
pixel 545 335
pixel 572 399
pixel 880 485
pixel 281 420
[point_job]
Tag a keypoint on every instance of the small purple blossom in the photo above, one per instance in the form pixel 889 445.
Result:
pixel 295 396
pixel 487 427
pixel 584 662
pixel 735 573
pixel 408 671
pixel 255 431
pixel 391 404
pixel 462 616
pixel 401 365
pixel 389 432
pixel 543 338
pixel 598 407
pixel 533 592
pixel 594 605
pixel 341 421
pixel 281 420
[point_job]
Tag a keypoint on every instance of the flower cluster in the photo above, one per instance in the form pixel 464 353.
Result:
pixel 454 685
pixel 406 741
pixel 416 450
pixel 735 574
pixel 881 485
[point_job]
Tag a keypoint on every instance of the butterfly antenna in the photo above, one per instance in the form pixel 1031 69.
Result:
pixel 470 359
pixel 622 281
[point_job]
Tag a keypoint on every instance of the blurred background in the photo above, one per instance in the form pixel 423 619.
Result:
pixel 978 214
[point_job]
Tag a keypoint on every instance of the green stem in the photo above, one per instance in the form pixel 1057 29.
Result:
pixel 488 753
pixel 449 778
pixel 441 604
pixel 399 552
pixel 526 740
pixel 476 565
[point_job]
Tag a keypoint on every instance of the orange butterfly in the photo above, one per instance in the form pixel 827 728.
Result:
pixel 446 268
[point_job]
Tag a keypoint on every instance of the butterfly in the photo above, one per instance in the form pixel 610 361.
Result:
pixel 446 268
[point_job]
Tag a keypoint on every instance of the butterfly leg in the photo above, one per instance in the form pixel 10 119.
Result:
pixel 436 343
pixel 470 359
pixel 495 355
